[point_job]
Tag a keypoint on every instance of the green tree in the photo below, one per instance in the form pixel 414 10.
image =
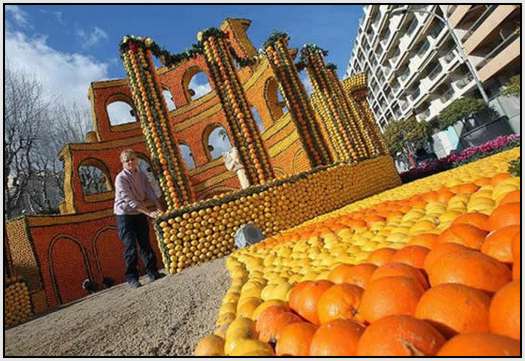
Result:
pixel 512 87
pixel 398 133
pixel 460 109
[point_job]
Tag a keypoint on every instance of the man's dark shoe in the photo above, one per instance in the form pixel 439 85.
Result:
pixel 155 276
pixel 134 283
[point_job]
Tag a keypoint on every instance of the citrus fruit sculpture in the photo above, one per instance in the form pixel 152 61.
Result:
pixel 427 268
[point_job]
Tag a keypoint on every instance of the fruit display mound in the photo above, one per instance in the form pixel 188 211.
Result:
pixel 388 275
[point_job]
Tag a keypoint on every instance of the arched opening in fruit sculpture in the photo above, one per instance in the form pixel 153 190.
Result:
pixel 216 141
pixel 169 99
pixel 120 112
pixel 94 177
pixel 187 155
pixel 274 99
pixel 195 83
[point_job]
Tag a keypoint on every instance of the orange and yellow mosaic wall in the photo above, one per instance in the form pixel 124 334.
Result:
pixel 55 254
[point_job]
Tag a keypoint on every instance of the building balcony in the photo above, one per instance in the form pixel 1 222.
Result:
pixel 426 114
pixel 505 52
pixel 403 104
pixel 446 96
pixel 404 76
pixel 435 72
pixel 414 95
pixel 461 83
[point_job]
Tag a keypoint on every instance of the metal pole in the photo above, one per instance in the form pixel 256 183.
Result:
pixel 459 47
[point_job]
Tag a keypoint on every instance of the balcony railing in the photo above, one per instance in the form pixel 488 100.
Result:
pixel 498 48
pixel 412 27
pixel 425 114
pixel 436 30
pixel 464 81
pixel 434 72
pixel 423 49
pixel 396 88
pixel 404 75
pixel 449 56
pixel 415 94
pixel 488 10
pixel 446 96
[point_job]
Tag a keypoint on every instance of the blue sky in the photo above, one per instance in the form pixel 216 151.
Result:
pixel 68 46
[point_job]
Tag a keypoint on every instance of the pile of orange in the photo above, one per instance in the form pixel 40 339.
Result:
pixel 435 273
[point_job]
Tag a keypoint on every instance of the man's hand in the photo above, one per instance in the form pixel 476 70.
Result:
pixel 154 214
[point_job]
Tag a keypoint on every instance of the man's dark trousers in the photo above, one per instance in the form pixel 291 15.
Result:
pixel 133 229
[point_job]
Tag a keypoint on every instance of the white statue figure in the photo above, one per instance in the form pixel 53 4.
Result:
pixel 233 163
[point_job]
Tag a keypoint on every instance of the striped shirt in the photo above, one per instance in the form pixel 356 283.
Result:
pixel 132 191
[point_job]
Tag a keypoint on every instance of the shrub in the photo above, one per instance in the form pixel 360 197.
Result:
pixel 460 109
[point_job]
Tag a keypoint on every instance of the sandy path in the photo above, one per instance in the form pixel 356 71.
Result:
pixel 164 318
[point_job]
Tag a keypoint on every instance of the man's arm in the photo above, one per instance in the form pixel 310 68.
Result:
pixel 150 192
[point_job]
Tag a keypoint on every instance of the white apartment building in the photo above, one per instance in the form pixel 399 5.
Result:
pixel 412 62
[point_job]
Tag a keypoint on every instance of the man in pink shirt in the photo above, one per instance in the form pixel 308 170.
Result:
pixel 133 194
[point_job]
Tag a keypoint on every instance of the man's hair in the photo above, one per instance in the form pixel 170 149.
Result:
pixel 126 153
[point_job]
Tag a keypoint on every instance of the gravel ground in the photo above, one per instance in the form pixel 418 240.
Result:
pixel 163 318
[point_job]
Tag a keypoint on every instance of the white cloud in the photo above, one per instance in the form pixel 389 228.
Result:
pixel 198 86
pixel 89 39
pixel 65 76
pixel 57 14
pixel 17 15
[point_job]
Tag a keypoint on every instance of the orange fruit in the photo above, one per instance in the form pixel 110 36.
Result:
pixel 441 250
pixel 338 274
pixel 499 178
pixel 507 214
pixel 475 219
pixel 400 335
pixel 295 294
pixel 360 274
pixel 511 197
pixel 400 269
pixel 336 338
pixel 309 296
pixel 454 308
pixel 498 244
pixel 505 311
pixel 272 320
pixel 381 256
pixel 411 255
pixel 470 268
pixel 480 344
pixel 389 296
pixel 464 234
pixel 423 239
pixel 295 339
pixel 339 301
pixel 516 257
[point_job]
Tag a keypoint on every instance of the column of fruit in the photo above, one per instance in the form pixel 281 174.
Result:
pixel 352 108
pixel 328 129
pixel 153 116
pixel 360 106
pixel 246 136
pixel 298 104
pixel 349 137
